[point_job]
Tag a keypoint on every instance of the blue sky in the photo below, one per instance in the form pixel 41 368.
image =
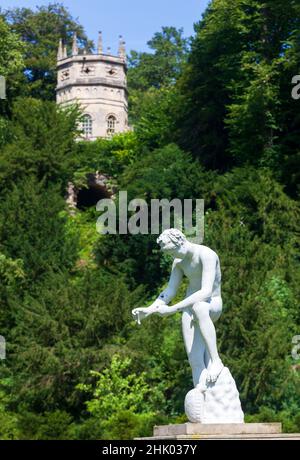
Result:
pixel 136 20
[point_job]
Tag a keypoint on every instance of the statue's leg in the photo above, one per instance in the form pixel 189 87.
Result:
pixel 215 310
pixel 205 312
pixel 207 359
pixel 194 345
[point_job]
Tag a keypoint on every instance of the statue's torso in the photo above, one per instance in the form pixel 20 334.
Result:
pixel 192 269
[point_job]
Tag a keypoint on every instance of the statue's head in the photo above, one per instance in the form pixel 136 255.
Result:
pixel 172 241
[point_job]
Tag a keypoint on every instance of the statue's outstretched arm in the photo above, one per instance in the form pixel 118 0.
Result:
pixel 174 282
pixel 164 298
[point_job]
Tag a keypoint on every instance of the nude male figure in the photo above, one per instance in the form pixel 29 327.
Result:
pixel 201 307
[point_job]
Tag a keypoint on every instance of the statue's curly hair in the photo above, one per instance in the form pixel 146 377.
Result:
pixel 172 234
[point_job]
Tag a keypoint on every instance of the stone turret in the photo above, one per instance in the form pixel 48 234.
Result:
pixel 98 83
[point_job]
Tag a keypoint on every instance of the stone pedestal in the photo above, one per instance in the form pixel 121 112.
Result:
pixel 216 402
pixel 222 431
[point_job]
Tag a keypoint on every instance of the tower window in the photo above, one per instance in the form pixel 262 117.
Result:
pixel 111 125
pixel 87 125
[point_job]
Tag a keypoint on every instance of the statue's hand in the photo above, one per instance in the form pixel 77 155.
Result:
pixel 141 313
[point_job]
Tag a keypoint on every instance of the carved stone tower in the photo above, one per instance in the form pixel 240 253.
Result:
pixel 98 83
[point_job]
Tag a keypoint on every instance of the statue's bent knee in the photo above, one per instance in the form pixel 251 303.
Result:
pixel 200 309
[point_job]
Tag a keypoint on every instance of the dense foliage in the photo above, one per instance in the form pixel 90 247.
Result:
pixel 214 119
pixel 40 31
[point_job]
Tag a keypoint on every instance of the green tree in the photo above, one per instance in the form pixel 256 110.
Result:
pixel 257 97
pixel 163 65
pixel 11 62
pixel 121 396
pixel 12 276
pixel 11 58
pixel 41 30
pixel 9 426
pixel 150 72
pixel 25 229
pixel 110 156
pixel 233 87
pixel 155 124
pixel 54 425
pixel 41 144
pixel 63 326
pixel 214 61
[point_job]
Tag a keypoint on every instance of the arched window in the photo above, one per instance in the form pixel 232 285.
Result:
pixel 111 125
pixel 87 125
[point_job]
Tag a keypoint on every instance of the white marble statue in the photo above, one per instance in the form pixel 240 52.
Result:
pixel 202 305
pixel 200 309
